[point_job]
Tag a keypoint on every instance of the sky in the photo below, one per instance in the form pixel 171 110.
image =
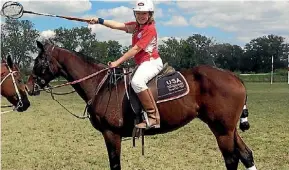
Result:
pixel 234 22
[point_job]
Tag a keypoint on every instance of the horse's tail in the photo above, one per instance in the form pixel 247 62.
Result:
pixel 244 124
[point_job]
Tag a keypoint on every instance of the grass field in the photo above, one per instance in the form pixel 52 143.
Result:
pixel 47 137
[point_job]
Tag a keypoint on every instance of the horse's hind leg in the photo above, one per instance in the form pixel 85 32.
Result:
pixel 245 154
pixel 225 140
pixel 113 145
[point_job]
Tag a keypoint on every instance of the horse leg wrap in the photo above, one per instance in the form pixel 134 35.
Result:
pixel 244 124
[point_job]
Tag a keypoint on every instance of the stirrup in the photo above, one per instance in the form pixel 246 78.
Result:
pixel 147 122
pixel 147 126
pixel 154 126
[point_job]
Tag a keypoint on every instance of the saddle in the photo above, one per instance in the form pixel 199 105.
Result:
pixel 167 85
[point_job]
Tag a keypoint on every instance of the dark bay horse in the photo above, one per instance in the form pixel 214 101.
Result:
pixel 12 87
pixel 217 97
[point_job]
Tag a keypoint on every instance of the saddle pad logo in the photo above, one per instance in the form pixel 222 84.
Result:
pixel 174 84
pixel 171 87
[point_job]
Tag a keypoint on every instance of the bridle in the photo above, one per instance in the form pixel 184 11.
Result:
pixel 20 102
pixel 45 65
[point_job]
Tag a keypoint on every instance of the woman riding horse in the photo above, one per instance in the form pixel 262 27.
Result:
pixel 145 54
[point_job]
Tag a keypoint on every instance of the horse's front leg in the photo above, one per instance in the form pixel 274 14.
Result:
pixel 113 145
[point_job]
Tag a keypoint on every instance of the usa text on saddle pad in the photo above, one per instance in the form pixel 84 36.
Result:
pixel 171 86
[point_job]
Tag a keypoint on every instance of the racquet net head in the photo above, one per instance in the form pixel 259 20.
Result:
pixel 12 10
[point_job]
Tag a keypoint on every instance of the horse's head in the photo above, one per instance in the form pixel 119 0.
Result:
pixel 12 87
pixel 45 69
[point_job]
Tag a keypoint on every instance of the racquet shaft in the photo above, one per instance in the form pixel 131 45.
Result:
pixel 59 16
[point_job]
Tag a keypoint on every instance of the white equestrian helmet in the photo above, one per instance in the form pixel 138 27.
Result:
pixel 144 6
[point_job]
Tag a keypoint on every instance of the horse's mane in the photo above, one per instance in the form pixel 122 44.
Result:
pixel 88 59
pixel 84 57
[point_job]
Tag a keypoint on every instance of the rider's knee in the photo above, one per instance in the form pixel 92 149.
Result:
pixel 138 85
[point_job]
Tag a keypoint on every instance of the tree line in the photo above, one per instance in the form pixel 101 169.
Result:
pixel 18 39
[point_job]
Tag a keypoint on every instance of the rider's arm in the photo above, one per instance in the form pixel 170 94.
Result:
pixel 129 54
pixel 114 25
pixel 109 23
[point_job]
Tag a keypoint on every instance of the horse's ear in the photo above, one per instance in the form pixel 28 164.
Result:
pixel 40 45
pixel 9 61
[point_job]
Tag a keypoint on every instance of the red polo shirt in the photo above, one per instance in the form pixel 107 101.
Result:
pixel 144 37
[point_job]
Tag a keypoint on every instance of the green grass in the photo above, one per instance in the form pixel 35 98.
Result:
pixel 264 78
pixel 47 137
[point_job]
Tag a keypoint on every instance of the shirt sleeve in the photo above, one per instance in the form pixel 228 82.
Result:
pixel 130 27
pixel 147 36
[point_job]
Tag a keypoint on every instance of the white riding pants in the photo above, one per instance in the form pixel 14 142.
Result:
pixel 144 73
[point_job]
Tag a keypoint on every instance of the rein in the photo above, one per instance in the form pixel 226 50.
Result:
pixel 58 93
pixel 87 104
pixel 20 103
pixel 74 82
pixel 49 90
